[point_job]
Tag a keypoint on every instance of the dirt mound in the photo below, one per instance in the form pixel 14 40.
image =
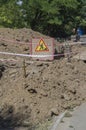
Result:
pixel 47 89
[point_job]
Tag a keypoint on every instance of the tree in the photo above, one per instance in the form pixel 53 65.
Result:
pixel 83 13
pixel 51 17
pixel 10 14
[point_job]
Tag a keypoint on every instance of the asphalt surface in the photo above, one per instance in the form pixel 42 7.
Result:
pixel 77 120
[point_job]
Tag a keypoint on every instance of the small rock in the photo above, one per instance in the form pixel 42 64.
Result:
pixel 0 74
pixel 59 83
pixel 65 96
pixel 22 99
pixel 18 40
pixel 2 68
pixel 31 90
pixel 26 123
pixel 40 64
pixel 14 71
pixel 37 111
pixel 45 79
pixel 3 44
pixel 68 114
pixel 25 85
pixel 77 80
pixel 43 93
pixel 73 91
pixel 27 40
pixel 76 72
pixel 25 48
pixel 54 87
pixel 54 111
pixel 12 64
pixel 1 93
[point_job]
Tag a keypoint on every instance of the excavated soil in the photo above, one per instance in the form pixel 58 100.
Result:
pixel 46 89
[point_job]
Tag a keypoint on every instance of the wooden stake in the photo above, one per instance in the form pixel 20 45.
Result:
pixel 24 69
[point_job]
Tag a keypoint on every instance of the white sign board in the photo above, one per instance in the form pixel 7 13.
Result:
pixel 42 49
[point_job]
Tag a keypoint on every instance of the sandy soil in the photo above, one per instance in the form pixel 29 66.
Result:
pixel 47 89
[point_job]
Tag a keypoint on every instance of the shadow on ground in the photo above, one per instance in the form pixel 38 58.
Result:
pixel 2 68
pixel 11 121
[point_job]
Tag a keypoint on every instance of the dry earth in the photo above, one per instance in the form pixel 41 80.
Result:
pixel 48 88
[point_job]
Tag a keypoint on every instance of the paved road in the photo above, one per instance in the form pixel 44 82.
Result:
pixel 76 122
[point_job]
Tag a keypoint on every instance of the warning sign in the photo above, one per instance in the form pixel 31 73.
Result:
pixel 41 46
pixel 42 49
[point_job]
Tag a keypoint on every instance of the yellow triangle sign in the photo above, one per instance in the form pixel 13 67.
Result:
pixel 41 46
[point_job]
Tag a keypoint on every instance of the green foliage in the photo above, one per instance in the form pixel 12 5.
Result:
pixel 51 17
pixel 83 13
pixel 10 14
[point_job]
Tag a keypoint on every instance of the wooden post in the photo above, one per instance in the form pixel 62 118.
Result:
pixel 24 69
